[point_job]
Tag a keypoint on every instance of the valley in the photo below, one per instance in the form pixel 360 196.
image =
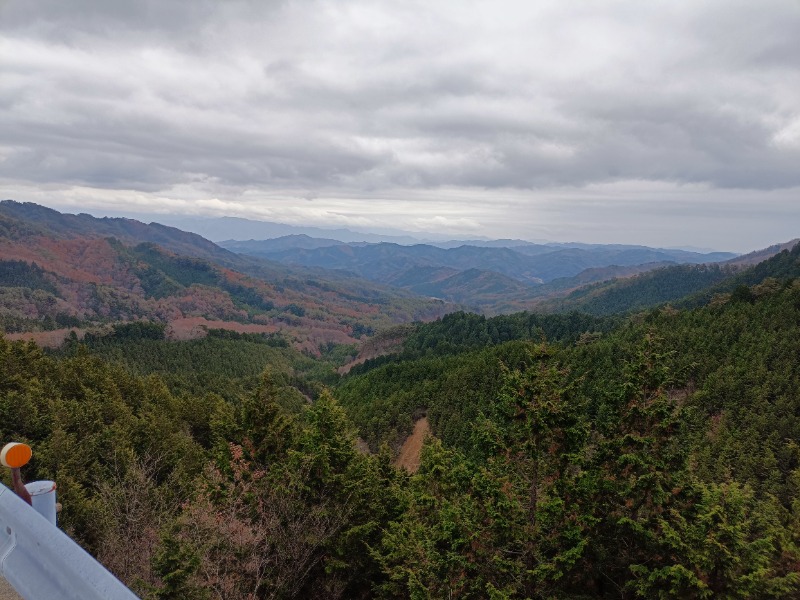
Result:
pixel 354 300
pixel 325 413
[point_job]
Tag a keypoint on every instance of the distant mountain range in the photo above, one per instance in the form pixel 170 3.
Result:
pixel 494 277
pixel 218 229
pixel 223 229
pixel 59 270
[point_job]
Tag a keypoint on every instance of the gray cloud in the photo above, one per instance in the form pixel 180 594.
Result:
pixel 248 100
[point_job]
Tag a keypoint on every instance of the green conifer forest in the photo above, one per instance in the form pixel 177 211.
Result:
pixel 653 455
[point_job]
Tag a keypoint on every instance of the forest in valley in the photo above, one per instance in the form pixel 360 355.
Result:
pixel 646 450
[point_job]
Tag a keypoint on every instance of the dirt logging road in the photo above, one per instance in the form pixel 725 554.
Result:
pixel 408 458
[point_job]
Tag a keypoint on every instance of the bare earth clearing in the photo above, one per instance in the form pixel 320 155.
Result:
pixel 408 458
pixel 46 339
pixel 188 328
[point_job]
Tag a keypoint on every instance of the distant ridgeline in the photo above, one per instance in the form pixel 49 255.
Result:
pixel 490 278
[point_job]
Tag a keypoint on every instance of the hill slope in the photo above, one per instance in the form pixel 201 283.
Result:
pixel 668 432
pixel 67 270
pixel 686 285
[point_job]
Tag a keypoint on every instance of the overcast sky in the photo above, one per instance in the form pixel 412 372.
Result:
pixel 664 123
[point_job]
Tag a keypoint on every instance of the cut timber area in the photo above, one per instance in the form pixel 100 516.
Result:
pixel 408 458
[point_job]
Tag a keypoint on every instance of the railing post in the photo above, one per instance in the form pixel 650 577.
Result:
pixel 43 498
pixel 38 559
pixel 42 563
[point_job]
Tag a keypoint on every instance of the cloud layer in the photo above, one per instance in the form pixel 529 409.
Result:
pixel 444 114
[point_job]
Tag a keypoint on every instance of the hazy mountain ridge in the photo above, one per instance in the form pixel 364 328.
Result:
pixel 564 285
pixel 218 229
pixel 511 277
pixel 155 271
pixel 531 264
pixel 286 242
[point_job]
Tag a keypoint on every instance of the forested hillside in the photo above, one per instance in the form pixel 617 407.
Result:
pixel 684 285
pixel 653 288
pixel 572 456
pixel 61 271
pixel 659 459
pixel 195 496
pixel 645 450
pixel 780 267
pixel 223 362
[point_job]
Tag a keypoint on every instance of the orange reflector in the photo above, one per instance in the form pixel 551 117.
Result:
pixel 15 455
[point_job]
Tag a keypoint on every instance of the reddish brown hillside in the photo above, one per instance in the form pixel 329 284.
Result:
pixel 748 260
pixel 67 274
pixel 79 260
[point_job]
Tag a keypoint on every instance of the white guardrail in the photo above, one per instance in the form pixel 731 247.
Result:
pixel 42 563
